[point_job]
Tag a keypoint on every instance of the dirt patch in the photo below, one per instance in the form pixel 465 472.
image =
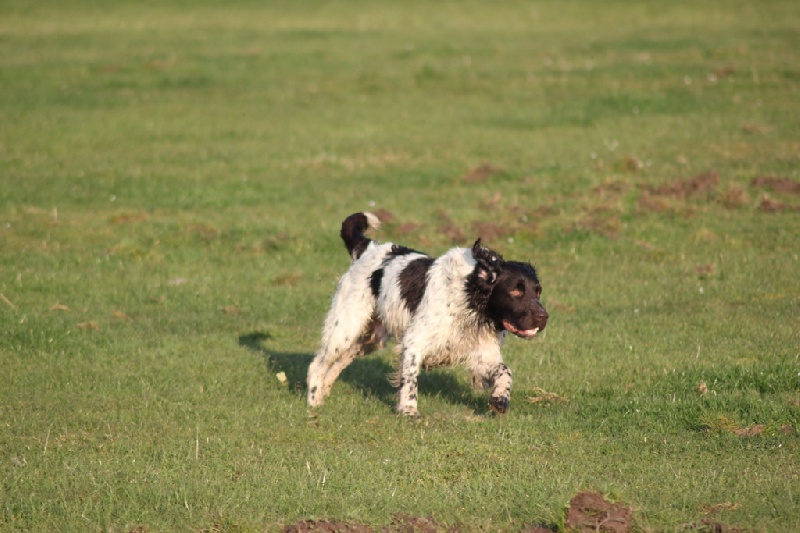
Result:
pixel 541 528
pixel 761 429
pixel 684 188
pixel 724 424
pixel 673 198
pixel 589 511
pixel 630 163
pixel 271 243
pixel 771 205
pixel 784 185
pixel 545 211
pixel 543 397
pixel 491 231
pixel 452 233
pixel 717 507
pixel 650 203
pixel 201 231
pixel 448 228
pixel 734 198
pixel 482 173
pixel 751 431
pixel 127 218
pixel 401 523
pixel 384 215
pixel 407 228
pixel 287 280
pixel 305 526
pixel 724 72
pixel 602 220
pixel 705 271
pixel 610 187
pixel 754 128
pixel 711 526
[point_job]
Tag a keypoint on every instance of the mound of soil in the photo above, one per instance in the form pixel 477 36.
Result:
pixel 683 188
pixel 589 511
pixel 784 185
pixel 482 173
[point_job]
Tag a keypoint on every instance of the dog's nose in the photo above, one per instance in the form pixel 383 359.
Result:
pixel 540 318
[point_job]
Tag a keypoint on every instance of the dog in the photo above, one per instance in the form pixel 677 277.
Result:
pixel 455 309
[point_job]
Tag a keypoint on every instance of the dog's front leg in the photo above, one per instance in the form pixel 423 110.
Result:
pixel 409 372
pixel 488 368
pixel 501 388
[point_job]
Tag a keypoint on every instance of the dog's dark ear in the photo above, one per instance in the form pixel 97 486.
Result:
pixel 488 263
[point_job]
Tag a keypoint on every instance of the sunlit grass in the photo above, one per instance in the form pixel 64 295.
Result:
pixel 172 180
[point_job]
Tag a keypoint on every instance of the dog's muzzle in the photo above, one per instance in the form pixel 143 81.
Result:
pixel 537 323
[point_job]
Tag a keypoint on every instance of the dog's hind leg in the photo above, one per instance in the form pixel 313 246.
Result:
pixel 410 364
pixel 372 339
pixel 342 340
pixel 409 373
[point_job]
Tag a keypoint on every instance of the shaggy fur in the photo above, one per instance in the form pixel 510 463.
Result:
pixel 456 309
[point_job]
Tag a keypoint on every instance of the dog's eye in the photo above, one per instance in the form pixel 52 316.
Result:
pixel 518 291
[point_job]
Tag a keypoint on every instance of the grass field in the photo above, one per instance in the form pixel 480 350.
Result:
pixel 172 180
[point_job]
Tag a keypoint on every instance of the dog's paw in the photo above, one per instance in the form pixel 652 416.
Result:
pixel 408 410
pixel 499 404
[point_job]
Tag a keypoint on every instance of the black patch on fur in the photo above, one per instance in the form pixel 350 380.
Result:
pixel 481 281
pixel 501 369
pixel 413 280
pixel 398 250
pixel 352 234
pixel 375 280
pixel 477 295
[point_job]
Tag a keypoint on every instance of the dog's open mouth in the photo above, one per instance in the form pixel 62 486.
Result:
pixel 524 333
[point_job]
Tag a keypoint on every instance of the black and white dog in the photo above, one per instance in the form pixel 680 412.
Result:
pixel 454 309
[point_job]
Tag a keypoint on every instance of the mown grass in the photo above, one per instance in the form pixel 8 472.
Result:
pixel 173 177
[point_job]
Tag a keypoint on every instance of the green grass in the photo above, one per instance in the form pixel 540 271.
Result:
pixel 172 180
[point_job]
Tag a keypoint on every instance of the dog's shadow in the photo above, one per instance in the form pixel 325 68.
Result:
pixel 368 374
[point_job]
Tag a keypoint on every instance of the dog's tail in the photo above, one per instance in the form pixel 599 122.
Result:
pixel 353 229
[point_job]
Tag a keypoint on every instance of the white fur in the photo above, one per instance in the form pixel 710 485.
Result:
pixel 373 221
pixel 443 331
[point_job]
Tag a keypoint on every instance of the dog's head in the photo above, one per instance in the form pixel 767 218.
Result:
pixel 510 293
